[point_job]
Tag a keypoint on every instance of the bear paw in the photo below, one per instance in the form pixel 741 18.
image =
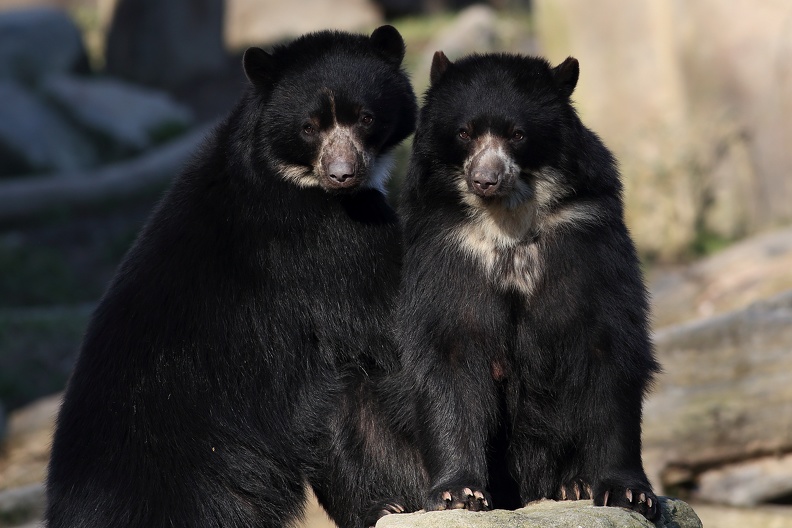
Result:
pixel 458 497
pixel 380 510
pixel 575 489
pixel 639 498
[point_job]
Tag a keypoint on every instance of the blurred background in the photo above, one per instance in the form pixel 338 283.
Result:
pixel 101 102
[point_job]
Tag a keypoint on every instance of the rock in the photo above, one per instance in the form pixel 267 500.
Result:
pixel 753 269
pixel 693 98
pixel 482 33
pixel 725 393
pixel 22 505
pixel 166 44
pixel 27 448
pixel 747 483
pixel 256 22
pixel 125 119
pixel 549 514
pixel 713 516
pixel 34 138
pixel 38 42
pixel 474 30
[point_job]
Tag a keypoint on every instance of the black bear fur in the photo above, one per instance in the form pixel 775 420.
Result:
pixel 231 360
pixel 523 316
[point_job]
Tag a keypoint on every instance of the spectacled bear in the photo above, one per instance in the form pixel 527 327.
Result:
pixel 230 362
pixel 523 316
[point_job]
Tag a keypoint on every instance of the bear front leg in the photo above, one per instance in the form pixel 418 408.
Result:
pixel 455 408
pixel 615 454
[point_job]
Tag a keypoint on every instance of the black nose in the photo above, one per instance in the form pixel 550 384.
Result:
pixel 341 171
pixel 486 182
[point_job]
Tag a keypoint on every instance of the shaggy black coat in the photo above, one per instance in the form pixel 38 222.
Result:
pixel 523 316
pixel 230 362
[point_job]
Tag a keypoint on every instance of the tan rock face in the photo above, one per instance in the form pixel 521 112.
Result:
pixel 691 96
pixel 256 22
pixel 751 270
pixel 725 394
pixel 25 453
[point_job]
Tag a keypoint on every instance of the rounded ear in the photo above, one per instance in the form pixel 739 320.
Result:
pixel 566 75
pixel 390 43
pixel 440 64
pixel 259 67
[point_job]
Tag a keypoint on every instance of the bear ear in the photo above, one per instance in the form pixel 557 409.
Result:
pixel 390 43
pixel 566 75
pixel 259 67
pixel 440 65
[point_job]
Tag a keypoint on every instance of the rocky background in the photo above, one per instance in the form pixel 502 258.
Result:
pixel 101 102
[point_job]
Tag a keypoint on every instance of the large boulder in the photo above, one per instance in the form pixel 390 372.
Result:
pixel 125 119
pixel 39 42
pixel 693 98
pixel 725 395
pixel 35 138
pixel 549 514
pixel 166 44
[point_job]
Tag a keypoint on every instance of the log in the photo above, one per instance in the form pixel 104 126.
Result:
pixel 22 198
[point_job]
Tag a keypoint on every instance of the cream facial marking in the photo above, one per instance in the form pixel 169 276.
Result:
pixel 299 175
pixel 501 233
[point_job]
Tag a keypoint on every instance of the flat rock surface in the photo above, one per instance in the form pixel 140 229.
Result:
pixel 549 514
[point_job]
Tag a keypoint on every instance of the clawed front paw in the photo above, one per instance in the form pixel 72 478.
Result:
pixel 575 489
pixel 639 498
pixel 380 510
pixel 458 497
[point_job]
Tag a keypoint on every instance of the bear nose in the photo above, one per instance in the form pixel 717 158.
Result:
pixel 341 170
pixel 486 182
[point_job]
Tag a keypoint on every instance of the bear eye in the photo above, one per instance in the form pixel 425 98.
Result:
pixel 309 129
pixel 464 134
pixel 518 135
pixel 367 119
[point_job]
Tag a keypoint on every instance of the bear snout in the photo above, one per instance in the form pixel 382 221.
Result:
pixel 486 182
pixel 341 171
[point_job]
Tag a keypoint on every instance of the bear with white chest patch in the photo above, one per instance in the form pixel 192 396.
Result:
pixel 523 317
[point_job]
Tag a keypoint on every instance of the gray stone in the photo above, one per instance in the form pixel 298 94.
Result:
pixel 124 118
pixel 34 138
pixel 549 514
pixel 21 505
pixel 38 42
pixel 166 44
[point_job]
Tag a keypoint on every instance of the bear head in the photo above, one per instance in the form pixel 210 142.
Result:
pixel 331 105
